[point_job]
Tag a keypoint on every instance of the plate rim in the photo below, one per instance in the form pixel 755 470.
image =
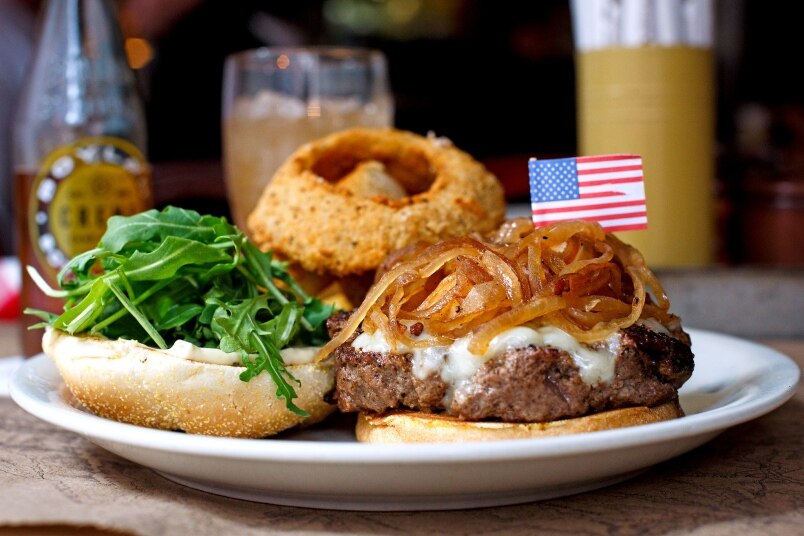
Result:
pixel 346 452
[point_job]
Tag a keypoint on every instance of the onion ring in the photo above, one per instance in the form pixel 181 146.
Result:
pixel 345 232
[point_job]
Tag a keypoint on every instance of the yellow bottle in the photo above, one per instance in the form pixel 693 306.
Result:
pixel 657 101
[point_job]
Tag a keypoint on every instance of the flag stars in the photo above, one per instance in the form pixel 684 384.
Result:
pixel 553 180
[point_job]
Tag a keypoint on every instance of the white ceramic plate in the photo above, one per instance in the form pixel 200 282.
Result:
pixel 734 381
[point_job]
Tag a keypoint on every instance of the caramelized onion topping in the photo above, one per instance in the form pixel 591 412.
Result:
pixel 570 275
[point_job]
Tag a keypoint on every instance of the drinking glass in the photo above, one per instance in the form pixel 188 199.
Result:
pixel 277 99
pixel 645 85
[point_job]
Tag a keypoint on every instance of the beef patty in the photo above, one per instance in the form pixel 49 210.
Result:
pixel 530 384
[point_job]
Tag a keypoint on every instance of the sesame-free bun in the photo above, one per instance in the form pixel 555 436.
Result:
pixel 340 204
pixel 129 382
pixel 416 427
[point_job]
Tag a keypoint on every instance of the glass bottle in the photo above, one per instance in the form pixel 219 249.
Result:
pixel 79 142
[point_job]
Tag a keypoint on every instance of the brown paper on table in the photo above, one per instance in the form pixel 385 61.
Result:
pixel 50 477
pixel 58 530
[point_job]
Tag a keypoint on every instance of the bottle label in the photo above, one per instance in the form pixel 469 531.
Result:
pixel 78 188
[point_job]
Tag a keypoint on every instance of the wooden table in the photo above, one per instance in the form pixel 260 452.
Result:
pixel 749 480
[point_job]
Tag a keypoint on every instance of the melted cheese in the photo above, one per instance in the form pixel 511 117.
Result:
pixel 455 364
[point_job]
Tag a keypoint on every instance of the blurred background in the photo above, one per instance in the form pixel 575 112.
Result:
pixel 498 80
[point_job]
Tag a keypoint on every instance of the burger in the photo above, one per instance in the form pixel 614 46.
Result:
pixel 517 333
pixel 177 321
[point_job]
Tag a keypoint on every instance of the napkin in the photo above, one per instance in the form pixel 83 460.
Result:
pixel 10 282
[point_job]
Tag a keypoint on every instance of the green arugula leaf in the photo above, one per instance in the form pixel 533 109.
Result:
pixel 316 314
pixel 137 314
pixel 270 360
pixel 154 225
pixel 177 315
pixel 283 327
pixel 239 332
pixel 81 316
pixel 172 255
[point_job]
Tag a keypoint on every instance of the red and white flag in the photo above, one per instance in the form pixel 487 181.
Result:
pixel 607 189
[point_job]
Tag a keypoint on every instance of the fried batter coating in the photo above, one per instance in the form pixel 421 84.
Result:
pixel 306 216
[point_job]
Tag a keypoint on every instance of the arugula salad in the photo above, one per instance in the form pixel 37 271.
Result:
pixel 162 276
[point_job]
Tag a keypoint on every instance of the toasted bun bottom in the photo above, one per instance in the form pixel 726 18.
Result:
pixel 129 382
pixel 414 427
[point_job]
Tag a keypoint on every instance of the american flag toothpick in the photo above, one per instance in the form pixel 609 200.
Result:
pixel 607 189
